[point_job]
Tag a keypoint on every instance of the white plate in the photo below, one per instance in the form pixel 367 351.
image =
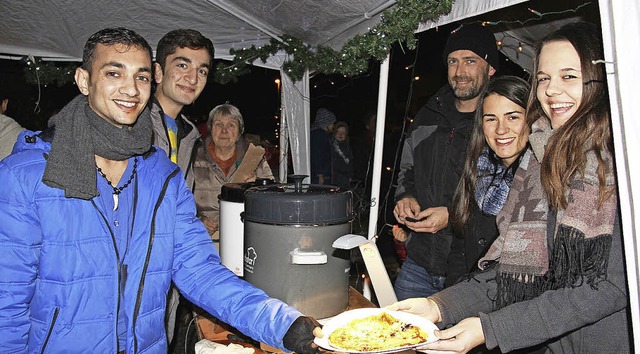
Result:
pixel 344 318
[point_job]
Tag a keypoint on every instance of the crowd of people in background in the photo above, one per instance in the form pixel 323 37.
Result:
pixel 331 154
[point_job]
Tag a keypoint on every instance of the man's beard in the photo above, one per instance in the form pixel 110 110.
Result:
pixel 472 91
pixel 468 92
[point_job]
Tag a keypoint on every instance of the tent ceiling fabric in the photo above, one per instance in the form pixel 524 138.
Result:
pixel 314 22
pixel 58 29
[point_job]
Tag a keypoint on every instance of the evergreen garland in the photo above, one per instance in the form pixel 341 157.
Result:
pixel 398 24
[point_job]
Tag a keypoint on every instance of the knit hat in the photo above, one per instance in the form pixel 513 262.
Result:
pixel 324 117
pixel 475 38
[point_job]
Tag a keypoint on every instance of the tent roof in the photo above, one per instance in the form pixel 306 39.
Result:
pixel 57 29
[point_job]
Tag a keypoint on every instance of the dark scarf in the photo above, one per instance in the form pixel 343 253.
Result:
pixel 575 250
pixel 494 181
pixel 80 135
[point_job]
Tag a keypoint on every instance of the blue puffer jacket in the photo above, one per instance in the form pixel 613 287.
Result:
pixel 59 272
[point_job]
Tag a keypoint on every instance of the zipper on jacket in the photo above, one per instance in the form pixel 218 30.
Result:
pixel 452 132
pixel 152 232
pixel 164 125
pixel 119 265
pixel 53 323
pixel 190 166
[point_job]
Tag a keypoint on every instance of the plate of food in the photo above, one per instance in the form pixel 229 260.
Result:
pixel 375 330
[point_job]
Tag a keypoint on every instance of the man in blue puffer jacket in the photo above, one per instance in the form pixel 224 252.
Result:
pixel 96 223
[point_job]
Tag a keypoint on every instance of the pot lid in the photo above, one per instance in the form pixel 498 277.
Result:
pixel 234 192
pixel 298 204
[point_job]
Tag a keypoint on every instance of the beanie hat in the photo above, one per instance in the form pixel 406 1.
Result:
pixel 475 38
pixel 324 117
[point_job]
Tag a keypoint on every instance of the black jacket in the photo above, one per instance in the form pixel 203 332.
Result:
pixel 433 158
pixel 479 233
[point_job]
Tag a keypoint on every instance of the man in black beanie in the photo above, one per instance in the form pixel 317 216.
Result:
pixel 433 157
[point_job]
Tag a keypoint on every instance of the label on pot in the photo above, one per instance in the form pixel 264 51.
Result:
pixel 250 256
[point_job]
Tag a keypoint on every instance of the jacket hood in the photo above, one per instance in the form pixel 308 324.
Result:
pixel 31 140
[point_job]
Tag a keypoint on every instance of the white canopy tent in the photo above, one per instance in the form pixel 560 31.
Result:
pixel 57 30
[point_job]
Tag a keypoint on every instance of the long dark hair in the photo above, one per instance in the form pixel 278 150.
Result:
pixel 516 90
pixel 588 129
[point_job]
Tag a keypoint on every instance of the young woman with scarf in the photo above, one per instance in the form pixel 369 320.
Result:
pixel 497 144
pixel 554 280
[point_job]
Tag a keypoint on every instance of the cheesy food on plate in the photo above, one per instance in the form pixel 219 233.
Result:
pixel 376 333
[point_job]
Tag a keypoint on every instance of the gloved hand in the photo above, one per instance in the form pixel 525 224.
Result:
pixel 299 338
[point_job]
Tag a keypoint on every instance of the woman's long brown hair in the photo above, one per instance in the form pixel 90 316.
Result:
pixel 587 130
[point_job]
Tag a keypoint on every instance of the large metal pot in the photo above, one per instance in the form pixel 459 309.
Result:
pixel 289 230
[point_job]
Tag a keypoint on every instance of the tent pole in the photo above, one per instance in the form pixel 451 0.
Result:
pixel 283 148
pixel 294 126
pixel 382 286
pixel 379 141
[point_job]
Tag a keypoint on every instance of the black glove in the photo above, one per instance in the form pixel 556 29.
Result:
pixel 299 338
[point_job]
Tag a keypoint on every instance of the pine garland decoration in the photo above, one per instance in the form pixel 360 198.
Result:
pixel 397 24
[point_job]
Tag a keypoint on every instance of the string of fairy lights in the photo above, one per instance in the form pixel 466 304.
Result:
pixel 398 24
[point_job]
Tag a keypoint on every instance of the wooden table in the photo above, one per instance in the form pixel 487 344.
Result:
pixel 216 331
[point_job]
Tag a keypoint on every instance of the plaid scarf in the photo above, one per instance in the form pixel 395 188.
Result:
pixel 532 261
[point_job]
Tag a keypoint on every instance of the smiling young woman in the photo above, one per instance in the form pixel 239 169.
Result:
pixel 500 135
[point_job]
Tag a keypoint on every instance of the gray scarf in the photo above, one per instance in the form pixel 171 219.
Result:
pixel 80 134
